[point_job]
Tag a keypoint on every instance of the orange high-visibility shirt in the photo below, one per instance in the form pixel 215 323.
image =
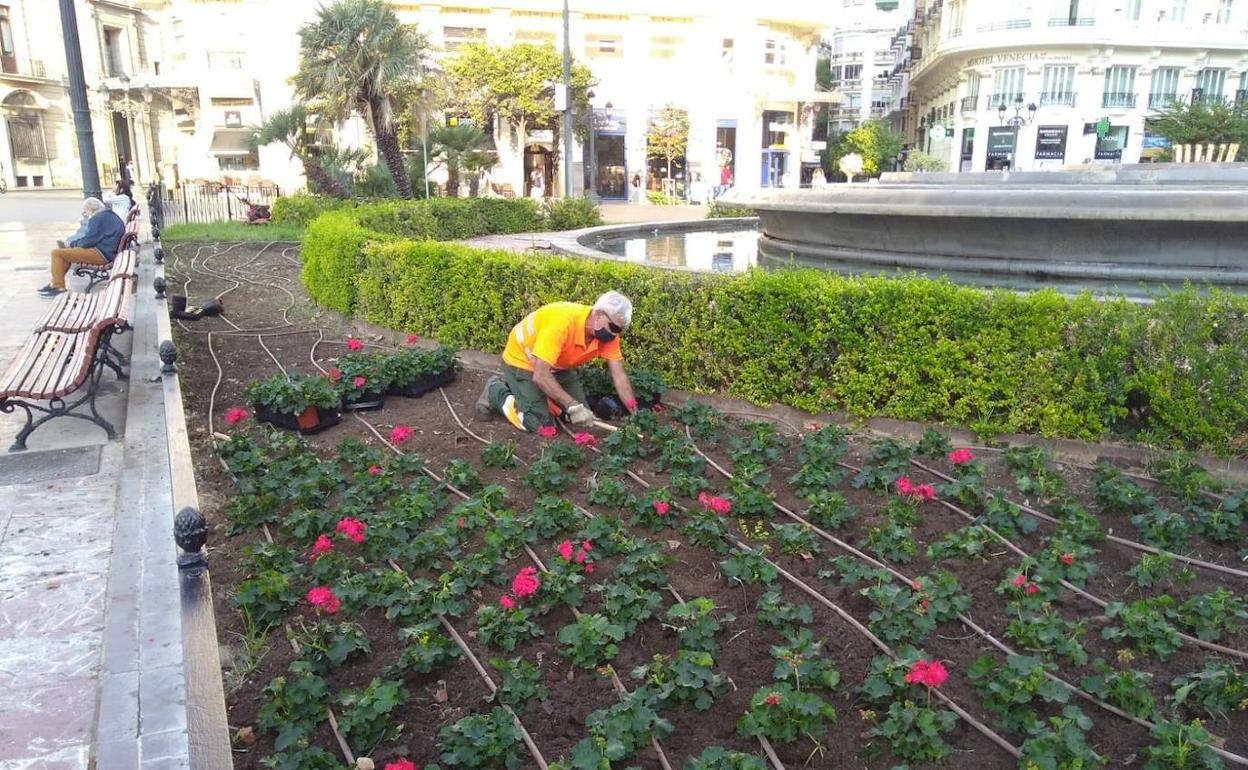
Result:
pixel 556 334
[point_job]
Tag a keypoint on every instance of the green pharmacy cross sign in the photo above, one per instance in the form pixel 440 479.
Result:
pixel 1102 128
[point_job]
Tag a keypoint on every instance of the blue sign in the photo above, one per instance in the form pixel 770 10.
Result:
pixel 1155 142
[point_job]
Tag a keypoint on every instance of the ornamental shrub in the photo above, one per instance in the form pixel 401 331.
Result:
pixel 300 210
pixel 1170 372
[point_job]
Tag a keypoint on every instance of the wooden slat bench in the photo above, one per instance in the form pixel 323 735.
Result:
pixel 69 350
pixel 97 274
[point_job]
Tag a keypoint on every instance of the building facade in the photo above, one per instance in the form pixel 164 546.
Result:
pixel 861 57
pixel 1093 70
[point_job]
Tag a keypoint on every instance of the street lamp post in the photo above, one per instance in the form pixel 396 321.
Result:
pixel 78 100
pixel 1016 122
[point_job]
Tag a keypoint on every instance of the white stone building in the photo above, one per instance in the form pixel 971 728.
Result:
pixel 859 48
pixel 1095 70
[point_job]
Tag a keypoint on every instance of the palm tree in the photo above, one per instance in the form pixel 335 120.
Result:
pixel 459 147
pixel 358 57
pixel 290 127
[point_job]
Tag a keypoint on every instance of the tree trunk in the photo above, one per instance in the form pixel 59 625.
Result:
pixel 388 148
pixel 324 182
pixel 452 176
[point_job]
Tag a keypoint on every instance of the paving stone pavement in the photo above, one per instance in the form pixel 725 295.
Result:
pixel 91 665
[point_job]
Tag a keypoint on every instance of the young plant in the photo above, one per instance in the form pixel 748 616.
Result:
pixel 547 477
pixel 1144 624
pixel 608 492
pixel 1048 633
pixel 889 460
pixel 933 444
pixel 784 714
pixel 775 611
pixel 482 742
pixel 1216 690
pixel 1005 517
pixel 503 628
pixel 461 475
pixel 968 543
pixel 520 682
pixel 326 645
pixel 706 529
pixel 748 567
pixel 1181 747
pixel 568 456
pixel 829 510
pixel 292 395
pixel 899 614
pixel 800 662
pixel 359 373
pixel 1118 494
pixel 1032 475
pixel 653 510
pixel 892 543
pixel 913 731
pixel 553 516
pixel 795 540
pixel 499 454
pixel 627 606
pixel 364 715
pixel 411 364
pixel 1221 524
pixel 1008 691
pixel 1210 616
pixel 1153 569
pixel 1126 689
pixel 618 731
pixel 686 678
pixel 1161 528
pixel 427 649
pixel 696 624
pixel 1062 743
pixel 748 500
pixel 719 758
pixel 591 640
pixel 295 706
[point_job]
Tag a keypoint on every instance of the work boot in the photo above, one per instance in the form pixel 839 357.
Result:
pixel 483 410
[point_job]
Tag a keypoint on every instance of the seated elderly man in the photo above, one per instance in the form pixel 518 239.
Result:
pixel 96 246
pixel 539 363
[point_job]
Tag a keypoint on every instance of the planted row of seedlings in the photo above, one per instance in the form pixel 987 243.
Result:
pixel 654 499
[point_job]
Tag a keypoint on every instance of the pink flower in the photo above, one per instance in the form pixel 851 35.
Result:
pixel 631 404
pixel 235 415
pixel 353 344
pixel 359 381
pixel 401 764
pixel 773 699
pixel 960 456
pixel 585 439
pixel 588 546
pixel 916 585
pixel 1032 589
pixel 589 568
pixel 412 339
pixel 714 503
pixel 908 489
pixel 580 557
pixel 351 529
pixel 506 602
pixel 925 492
pixel 1018 580
pixel 904 487
pixel 335 374
pixel 400 433
pixel 374 470
pixel 565 550
pixel 927 673
pixel 547 431
pixel 323 600
pixel 1067 559
pixel 661 507
pixel 461 522
pixel 322 546
pixel 525 583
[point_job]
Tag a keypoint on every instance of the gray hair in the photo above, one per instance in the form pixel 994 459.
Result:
pixel 618 307
pixel 95 205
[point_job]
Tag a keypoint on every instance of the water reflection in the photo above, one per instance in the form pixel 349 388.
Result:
pixel 719 252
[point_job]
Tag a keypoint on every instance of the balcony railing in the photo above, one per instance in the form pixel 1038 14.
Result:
pixel 26 68
pixel 1118 100
pixel 1161 101
pixel 997 26
pixel 1066 21
pixel 969 103
pixel 996 100
pixel 1057 99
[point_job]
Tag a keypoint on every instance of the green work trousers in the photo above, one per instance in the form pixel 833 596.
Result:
pixel 528 408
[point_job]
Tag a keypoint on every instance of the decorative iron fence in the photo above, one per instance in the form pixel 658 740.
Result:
pixel 211 202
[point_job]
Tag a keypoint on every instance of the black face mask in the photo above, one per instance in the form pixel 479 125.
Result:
pixel 603 335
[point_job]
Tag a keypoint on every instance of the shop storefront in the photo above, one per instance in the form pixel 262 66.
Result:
pixel 1000 148
pixel 609 159
pixel 1051 143
pixel 725 154
pixel 777 128
pixel 1110 144
pixel 968 149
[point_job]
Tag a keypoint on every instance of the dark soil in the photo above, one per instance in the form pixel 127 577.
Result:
pixel 262 292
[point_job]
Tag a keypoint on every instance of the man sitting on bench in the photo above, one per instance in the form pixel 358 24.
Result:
pixel 98 246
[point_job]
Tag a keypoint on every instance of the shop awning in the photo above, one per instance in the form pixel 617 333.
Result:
pixel 229 141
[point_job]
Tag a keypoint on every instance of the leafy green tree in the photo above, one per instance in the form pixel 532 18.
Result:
pixel 874 140
pixel 918 160
pixel 357 57
pixel 296 127
pixel 1203 122
pixel 515 83
pixel 459 148
pixel 669 136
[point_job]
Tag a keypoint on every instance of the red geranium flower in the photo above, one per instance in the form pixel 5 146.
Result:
pixel 461 522
pixel 927 673
pixel 374 470
pixel 323 600
pixel 359 381
pixel 1067 559
pixel 661 507
pixel 565 550
pixel 235 415
pixel 353 344
pixel 401 764
pixel 916 585
pixel 585 439
pixel 525 583
pixel 1018 580
pixel 773 699
pixel 335 374
pixel 547 431
pixel 960 456
pixel 322 546
pixel 412 339
pixel 589 568
pixel 1032 589
pixel 904 487
pixel 506 602
pixel 400 433
pixel 352 529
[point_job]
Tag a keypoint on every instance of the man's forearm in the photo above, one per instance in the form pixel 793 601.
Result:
pixel 623 386
pixel 546 382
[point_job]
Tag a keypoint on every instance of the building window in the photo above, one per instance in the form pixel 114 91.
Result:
pixel 1119 87
pixel 665 46
pixel 535 36
pixel 8 55
pixel 26 139
pixel 233 119
pixel 1133 10
pixel 454 38
pixel 604 46
pixel 1212 85
pixel 1008 84
pixel 1073 13
pixel 1224 11
pixel 1178 11
pixel 1164 89
pixel 726 49
pixel 774 53
pixel 853 72
pixel 226 60
pixel 114 51
pixel 1059 85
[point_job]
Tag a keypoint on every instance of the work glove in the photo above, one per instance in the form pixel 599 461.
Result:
pixel 579 414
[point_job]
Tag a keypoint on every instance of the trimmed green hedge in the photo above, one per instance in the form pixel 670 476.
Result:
pixel 1169 373
pixel 300 210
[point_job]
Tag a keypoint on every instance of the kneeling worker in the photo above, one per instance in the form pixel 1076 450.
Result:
pixel 539 363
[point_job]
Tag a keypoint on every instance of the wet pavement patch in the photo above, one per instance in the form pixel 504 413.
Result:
pixel 30 467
